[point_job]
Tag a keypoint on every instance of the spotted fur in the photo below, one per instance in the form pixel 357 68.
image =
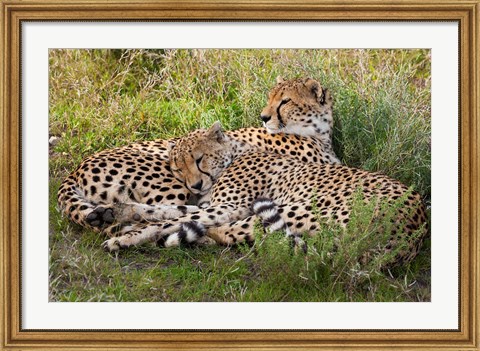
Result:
pixel 140 173
pixel 288 183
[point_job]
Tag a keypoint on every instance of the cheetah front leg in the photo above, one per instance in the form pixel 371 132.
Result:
pixel 136 212
pixel 158 231
pixel 129 212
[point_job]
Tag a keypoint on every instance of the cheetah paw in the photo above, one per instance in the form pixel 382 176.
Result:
pixel 299 245
pixel 111 245
pixel 206 241
pixel 100 217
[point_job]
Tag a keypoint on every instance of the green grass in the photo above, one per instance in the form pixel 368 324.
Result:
pixel 106 98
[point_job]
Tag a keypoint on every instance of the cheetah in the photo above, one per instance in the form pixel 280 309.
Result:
pixel 244 182
pixel 140 173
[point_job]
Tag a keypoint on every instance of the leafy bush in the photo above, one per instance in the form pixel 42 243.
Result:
pixel 345 264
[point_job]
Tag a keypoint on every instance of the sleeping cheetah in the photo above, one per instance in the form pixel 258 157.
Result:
pixel 281 189
pixel 140 173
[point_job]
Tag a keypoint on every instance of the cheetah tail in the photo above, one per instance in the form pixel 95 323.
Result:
pixel 266 209
pixel 189 233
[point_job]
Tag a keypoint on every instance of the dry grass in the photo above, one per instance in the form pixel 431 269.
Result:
pixel 106 98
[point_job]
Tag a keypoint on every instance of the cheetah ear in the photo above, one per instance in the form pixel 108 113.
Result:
pixel 327 96
pixel 170 145
pixel 215 132
pixel 316 89
pixel 280 79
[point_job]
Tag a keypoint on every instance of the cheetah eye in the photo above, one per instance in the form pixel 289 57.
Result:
pixel 198 160
pixel 284 102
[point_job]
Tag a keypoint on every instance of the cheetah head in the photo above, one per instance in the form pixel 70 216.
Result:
pixel 298 106
pixel 198 158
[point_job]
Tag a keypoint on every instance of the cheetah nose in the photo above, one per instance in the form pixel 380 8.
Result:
pixel 265 118
pixel 198 185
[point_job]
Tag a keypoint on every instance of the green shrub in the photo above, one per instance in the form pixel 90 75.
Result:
pixel 341 264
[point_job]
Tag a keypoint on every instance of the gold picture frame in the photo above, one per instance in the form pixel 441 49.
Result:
pixel 465 13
